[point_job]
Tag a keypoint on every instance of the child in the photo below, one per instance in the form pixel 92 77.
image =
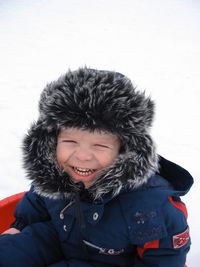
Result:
pixel 100 195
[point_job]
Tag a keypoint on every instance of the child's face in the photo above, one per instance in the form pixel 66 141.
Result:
pixel 83 154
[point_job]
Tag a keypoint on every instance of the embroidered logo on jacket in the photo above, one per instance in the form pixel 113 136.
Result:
pixel 181 239
pixel 105 251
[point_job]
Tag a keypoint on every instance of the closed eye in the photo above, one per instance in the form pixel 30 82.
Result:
pixel 101 146
pixel 69 141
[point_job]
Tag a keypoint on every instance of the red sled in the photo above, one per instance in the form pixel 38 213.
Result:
pixel 7 207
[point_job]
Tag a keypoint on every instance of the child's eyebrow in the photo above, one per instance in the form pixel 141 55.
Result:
pixel 65 135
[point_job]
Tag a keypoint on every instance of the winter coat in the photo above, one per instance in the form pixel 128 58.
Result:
pixel 143 227
pixel 131 215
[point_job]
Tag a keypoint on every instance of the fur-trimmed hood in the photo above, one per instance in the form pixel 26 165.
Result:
pixel 91 99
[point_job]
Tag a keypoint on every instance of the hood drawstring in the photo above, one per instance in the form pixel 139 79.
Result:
pixel 65 208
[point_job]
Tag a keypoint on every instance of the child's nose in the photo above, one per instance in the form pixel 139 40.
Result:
pixel 84 154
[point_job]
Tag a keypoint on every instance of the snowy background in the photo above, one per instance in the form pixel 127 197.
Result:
pixel 154 42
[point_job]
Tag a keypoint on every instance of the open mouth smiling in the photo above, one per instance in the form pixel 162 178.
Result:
pixel 83 171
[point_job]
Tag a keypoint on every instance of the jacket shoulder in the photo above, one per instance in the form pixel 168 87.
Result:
pixel 151 214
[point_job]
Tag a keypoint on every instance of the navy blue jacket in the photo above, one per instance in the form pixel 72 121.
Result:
pixel 146 226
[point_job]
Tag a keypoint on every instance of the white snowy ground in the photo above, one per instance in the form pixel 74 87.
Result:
pixel 156 43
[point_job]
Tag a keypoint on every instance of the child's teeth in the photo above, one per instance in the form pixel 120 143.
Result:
pixel 83 171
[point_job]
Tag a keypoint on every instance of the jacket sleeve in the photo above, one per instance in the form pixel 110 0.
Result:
pixel 172 249
pixel 30 209
pixel 37 245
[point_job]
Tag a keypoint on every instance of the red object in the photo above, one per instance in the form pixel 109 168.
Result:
pixel 181 239
pixel 7 207
pixel 148 245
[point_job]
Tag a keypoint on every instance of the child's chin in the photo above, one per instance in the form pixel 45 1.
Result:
pixel 87 180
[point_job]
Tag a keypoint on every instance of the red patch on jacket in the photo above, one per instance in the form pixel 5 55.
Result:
pixel 181 239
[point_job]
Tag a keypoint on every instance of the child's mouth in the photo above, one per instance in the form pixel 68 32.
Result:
pixel 83 171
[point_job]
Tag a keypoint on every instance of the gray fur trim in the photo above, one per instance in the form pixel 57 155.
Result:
pixel 92 99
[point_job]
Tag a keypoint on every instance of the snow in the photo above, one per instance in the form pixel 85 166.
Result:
pixel 155 43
